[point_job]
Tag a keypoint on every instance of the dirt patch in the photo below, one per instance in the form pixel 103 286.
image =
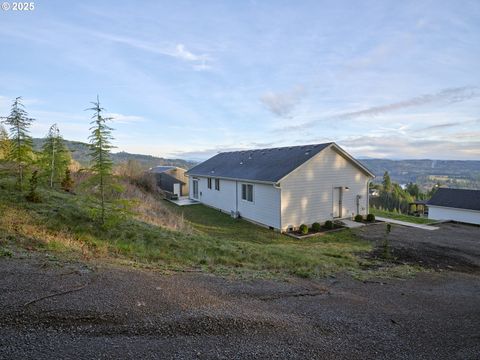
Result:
pixel 125 313
pixel 451 247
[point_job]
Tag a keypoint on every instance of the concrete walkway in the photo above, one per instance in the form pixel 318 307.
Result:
pixel 351 224
pixel 405 223
pixel 184 201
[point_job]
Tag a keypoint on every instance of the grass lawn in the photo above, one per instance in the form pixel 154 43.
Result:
pixel 212 241
pixel 402 217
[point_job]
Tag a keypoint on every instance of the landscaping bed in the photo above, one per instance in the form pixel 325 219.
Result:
pixel 316 230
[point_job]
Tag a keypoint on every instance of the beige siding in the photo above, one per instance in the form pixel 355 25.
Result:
pixel 307 193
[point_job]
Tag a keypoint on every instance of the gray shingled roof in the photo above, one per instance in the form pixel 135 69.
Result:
pixel 161 169
pixel 456 198
pixel 268 165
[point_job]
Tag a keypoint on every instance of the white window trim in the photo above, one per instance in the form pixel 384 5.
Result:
pixel 253 193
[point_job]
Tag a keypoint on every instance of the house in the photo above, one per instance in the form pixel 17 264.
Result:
pixel 455 204
pixel 285 187
pixel 171 179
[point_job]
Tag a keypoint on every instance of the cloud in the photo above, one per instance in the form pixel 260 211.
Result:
pixel 125 119
pixel 179 51
pixel 202 154
pixel 455 146
pixel 450 125
pixel 282 104
pixel 445 96
pixel 449 96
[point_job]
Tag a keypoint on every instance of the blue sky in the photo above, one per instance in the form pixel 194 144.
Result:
pixel 395 79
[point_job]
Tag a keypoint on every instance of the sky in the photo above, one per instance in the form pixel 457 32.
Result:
pixel 188 79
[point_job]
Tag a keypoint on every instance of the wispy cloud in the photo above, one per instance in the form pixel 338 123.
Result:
pixel 448 96
pixel 202 154
pixel 445 96
pixel 454 146
pixel 178 51
pixel 450 125
pixel 125 119
pixel 283 103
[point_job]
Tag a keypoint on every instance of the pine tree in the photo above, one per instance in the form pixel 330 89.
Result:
pixel 100 146
pixel 67 182
pixel 32 190
pixel 55 155
pixel 387 182
pixel 21 151
pixel 5 144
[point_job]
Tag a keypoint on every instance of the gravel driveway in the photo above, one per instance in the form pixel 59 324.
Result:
pixel 109 312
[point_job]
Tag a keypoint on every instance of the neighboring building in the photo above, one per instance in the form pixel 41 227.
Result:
pixel 171 179
pixel 455 204
pixel 283 187
pixel 374 192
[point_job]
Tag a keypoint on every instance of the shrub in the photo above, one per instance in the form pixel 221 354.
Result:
pixel 32 195
pixel 370 218
pixel 303 229
pixel 328 224
pixel 67 182
pixel 358 218
pixel 316 226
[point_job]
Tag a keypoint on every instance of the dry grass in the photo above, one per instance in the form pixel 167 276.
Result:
pixel 150 208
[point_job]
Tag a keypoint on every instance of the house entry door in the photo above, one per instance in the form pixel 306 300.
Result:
pixel 337 202
pixel 195 189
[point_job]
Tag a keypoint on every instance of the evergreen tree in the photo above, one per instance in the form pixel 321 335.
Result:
pixel 100 146
pixel 55 155
pixel 387 182
pixel 5 144
pixel 67 182
pixel 32 190
pixel 21 151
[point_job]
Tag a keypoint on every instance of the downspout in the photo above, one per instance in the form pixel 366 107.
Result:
pixel 236 197
pixel 368 196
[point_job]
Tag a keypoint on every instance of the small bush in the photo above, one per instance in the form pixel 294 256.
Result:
pixel 303 229
pixel 67 182
pixel 370 218
pixel 358 218
pixel 316 226
pixel 328 224
pixel 32 195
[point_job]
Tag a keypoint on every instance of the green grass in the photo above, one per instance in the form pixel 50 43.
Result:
pixel 216 243
pixel 402 217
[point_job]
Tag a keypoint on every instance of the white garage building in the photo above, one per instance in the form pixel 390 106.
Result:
pixel 455 204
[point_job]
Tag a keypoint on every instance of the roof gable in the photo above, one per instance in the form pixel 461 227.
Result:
pixel 456 198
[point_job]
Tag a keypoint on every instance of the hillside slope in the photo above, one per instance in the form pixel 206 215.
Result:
pixel 80 153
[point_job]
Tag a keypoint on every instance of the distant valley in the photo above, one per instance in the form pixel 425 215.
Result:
pixel 426 173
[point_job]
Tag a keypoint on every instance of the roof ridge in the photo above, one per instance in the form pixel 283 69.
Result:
pixel 278 147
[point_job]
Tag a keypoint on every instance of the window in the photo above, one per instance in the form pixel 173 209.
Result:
pixel 247 192
pixel 209 180
pixel 217 184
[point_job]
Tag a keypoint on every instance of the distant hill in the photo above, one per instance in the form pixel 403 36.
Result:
pixel 426 173
pixel 80 153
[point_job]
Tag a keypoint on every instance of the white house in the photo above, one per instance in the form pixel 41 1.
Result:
pixel 283 188
pixel 455 204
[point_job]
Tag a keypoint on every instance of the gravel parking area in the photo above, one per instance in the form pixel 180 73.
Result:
pixel 52 309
